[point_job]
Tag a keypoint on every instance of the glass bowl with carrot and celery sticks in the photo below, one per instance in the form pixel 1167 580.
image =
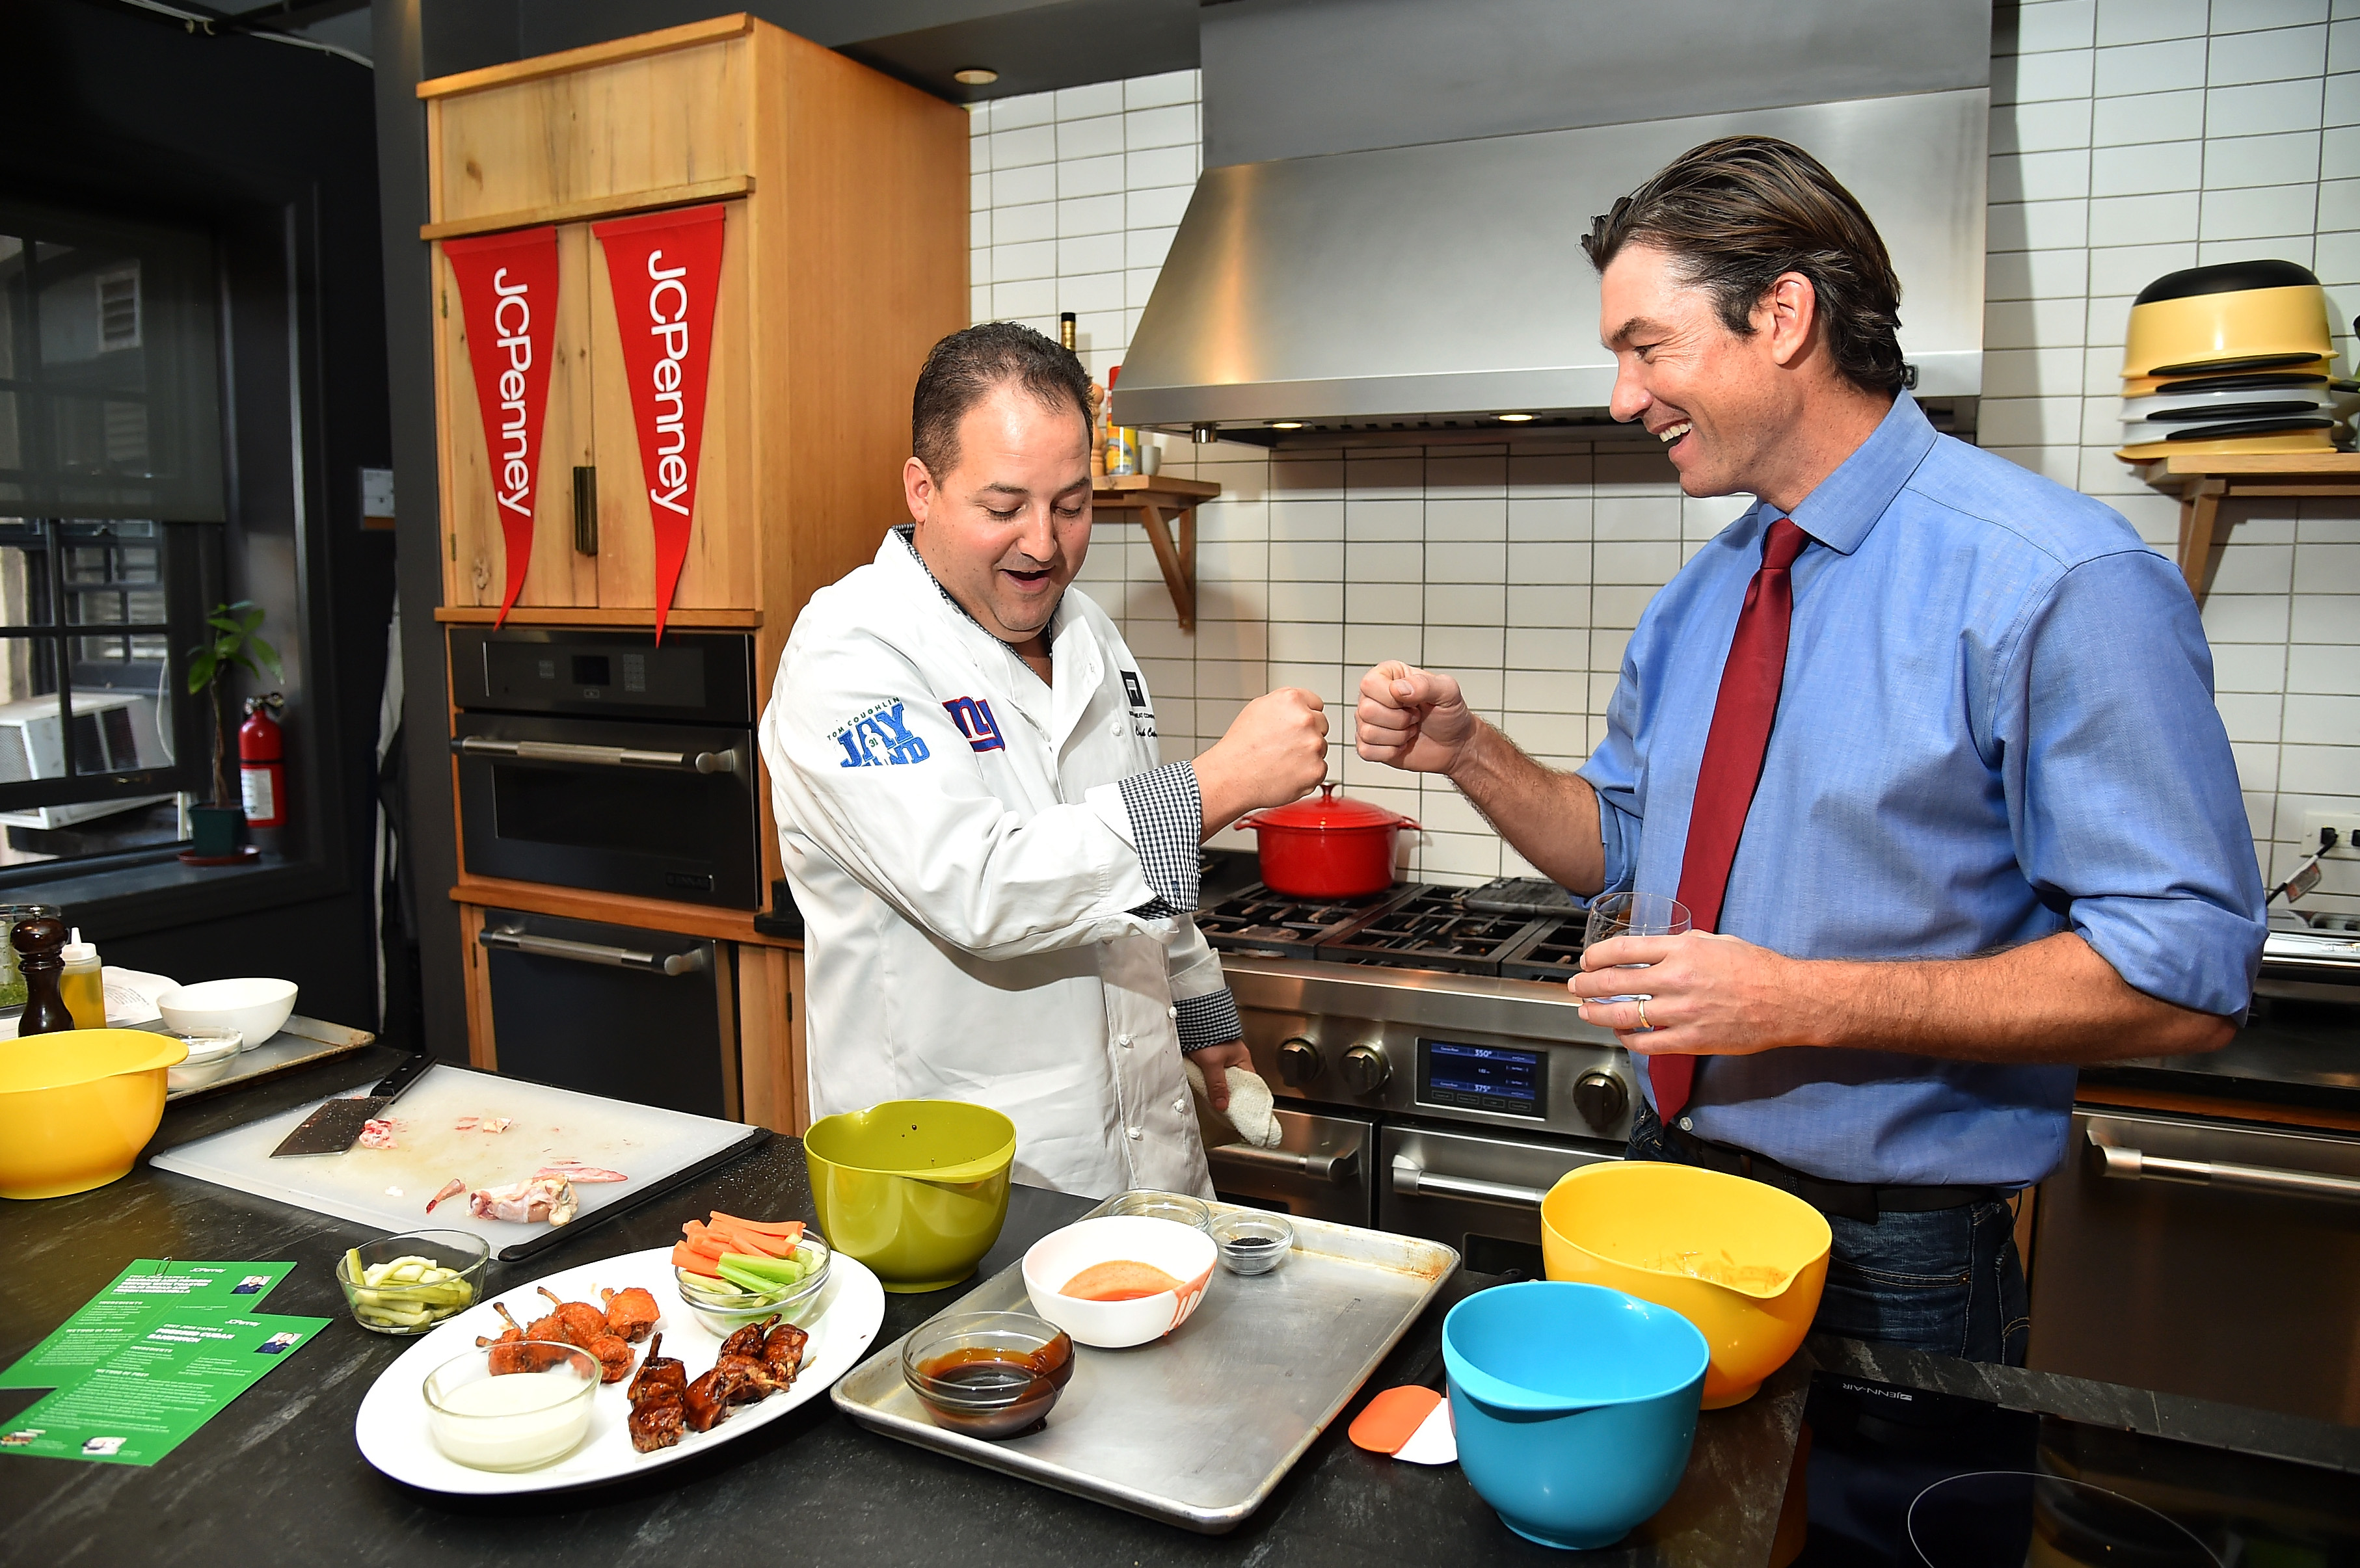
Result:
pixel 733 1271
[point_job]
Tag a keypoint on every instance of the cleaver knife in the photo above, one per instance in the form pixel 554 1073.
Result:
pixel 336 1125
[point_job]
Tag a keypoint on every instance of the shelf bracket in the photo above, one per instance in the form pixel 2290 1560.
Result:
pixel 1178 559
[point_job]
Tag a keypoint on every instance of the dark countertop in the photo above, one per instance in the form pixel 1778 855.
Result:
pixel 275 1477
pixel 2294 1055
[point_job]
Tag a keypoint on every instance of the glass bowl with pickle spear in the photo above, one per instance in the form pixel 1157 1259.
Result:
pixel 406 1284
pixel 733 1271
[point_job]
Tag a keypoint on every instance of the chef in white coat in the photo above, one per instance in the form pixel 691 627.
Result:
pixel 995 873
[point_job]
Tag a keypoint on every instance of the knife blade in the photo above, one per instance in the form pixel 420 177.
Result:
pixel 336 1125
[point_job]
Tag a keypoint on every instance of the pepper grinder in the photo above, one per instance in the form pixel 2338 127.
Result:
pixel 38 941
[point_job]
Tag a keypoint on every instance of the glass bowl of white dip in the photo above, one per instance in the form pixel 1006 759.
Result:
pixel 514 1406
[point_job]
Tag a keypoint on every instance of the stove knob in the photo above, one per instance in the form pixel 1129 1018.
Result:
pixel 1299 1062
pixel 1365 1069
pixel 1600 1098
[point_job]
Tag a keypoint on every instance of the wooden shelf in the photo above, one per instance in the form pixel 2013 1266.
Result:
pixel 721 190
pixel 616 909
pixel 591 615
pixel 2203 480
pixel 1160 500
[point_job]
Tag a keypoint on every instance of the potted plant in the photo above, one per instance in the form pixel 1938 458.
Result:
pixel 234 645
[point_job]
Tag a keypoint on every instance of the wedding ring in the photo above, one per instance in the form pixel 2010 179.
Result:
pixel 1643 1015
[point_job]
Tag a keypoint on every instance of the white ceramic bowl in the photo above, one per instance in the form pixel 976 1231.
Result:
pixel 1182 1251
pixel 210 1056
pixel 255 1009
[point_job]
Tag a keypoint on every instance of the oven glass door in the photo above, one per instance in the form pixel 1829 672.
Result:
pixel 1320 1169
pixel 657 811
pixel 1479 1194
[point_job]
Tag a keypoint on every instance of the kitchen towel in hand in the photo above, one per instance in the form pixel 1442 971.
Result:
pixel 1250 1104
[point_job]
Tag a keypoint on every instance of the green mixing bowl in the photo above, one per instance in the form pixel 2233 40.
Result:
pixel 915 1189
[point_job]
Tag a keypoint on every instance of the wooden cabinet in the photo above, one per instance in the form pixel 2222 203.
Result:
pixel 844 260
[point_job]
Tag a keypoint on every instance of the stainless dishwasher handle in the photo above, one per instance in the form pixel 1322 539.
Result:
pixel 1412 1179
pixel 2132 1165
pixel 1318 1167
pixel 689 962
pixel 596 756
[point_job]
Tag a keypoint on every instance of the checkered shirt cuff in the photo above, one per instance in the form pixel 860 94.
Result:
pixel 1209 1019
pixel 1167 825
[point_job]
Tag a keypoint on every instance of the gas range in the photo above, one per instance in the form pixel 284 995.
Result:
pixel 1432 1075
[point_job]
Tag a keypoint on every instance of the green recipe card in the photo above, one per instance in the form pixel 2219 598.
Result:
pixel 125 1312
pixel 137 1405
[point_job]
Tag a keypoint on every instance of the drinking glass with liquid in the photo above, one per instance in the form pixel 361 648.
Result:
pixel 1632 914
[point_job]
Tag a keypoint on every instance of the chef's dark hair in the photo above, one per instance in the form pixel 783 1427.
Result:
pixel 1740 212
pixel 966 366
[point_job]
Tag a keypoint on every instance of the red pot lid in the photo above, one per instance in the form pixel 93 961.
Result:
pixel 1328 810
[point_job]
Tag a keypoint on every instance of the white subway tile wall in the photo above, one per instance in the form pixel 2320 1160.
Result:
pixel 2129 138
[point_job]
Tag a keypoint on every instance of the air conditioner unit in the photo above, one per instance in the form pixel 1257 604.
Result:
pixel 113 731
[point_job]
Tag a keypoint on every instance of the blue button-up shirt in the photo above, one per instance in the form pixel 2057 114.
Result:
pixel 1996 723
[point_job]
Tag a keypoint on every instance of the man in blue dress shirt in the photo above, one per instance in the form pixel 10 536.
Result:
pixel 1997 830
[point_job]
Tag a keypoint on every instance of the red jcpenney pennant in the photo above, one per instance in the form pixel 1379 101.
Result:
pixel 507 296
pixel 664 270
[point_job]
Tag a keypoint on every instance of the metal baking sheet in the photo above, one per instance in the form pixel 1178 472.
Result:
pixel 1196 1429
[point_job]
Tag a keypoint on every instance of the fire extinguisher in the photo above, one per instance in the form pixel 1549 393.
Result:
pixel 261 765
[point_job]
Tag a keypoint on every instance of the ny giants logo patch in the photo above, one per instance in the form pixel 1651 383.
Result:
pixel 973 717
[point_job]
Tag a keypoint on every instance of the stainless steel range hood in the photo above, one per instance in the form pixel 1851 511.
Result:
pixel 1415 290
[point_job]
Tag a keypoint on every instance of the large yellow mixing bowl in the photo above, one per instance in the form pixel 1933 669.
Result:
pixel 915 1189
pixel 76 1108
pixel 1667 1233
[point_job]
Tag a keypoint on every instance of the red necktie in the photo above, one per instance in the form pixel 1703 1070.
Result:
pixel 1749 679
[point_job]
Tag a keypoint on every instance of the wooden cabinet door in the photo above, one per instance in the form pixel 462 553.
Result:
pixel 721 569
pixel 474 568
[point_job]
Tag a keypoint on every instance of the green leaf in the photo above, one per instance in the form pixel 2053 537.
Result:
pixel 225 624
pixel 201 670
pixel 252 620
pixel 269 654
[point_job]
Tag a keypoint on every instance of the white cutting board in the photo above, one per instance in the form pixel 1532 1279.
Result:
pixel 388 1187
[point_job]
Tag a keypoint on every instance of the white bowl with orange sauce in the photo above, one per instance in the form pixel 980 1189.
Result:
pixel 1119 1281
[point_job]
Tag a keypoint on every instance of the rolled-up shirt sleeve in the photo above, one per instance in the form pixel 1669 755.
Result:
pixel 2122 792
pixel 1159 813
pixel 1613 771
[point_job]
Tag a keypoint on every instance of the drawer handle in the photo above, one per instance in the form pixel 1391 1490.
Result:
pixel 690 963
pixel 2131 1165
pixel 1318 1167
pixel 1412 1179
pixel 596 756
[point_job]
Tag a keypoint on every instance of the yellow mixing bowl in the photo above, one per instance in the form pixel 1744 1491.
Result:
pixel 76 1108
pixel 2180 337
pixel 915 1189
pixel 1664 1232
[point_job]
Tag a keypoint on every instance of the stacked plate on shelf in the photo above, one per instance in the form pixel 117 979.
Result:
pixel 2232 359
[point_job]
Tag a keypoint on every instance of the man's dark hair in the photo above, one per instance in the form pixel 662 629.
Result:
pixel 966 366
pixel 1737 213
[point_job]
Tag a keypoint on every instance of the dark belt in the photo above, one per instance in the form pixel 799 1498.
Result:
pixel 1849 1200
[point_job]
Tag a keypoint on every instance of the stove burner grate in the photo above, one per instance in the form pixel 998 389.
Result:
pixel 1259 921
pixel 1433 928
pixel 1553 952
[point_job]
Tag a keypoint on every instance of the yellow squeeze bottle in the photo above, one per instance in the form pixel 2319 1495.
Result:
pixel 83 985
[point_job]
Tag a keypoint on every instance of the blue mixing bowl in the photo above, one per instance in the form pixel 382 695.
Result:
pixel 1575 1406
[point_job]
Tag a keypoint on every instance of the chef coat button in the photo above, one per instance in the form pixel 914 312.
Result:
pixel 1171 1012
pixel 1180 1104
pixel 1123 1040
pixel 1135 1133
pixel 1115 728
pixel 1688 1124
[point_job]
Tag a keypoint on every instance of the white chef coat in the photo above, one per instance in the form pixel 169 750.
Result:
pixel 964 866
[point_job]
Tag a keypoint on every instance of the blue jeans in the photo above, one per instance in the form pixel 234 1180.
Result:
pixel 1948 1280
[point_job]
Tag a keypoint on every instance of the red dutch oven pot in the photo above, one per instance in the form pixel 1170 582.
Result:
pixel 1328 846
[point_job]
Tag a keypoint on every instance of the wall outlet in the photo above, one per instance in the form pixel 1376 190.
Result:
pixel 2347 833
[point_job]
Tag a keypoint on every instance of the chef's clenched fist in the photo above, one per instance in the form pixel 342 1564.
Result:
pixel 1413 718
pixel 1276 751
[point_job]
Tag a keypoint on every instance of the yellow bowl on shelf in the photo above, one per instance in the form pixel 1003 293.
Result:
pixel 1743 1262
pixel 77 1107
pixel 915 1189
pixel 2286 327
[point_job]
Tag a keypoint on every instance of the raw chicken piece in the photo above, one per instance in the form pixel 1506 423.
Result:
pixel 378 1134
pixel 451 1189
pixel 483 1124
pixel 528 1202
pixel 574 1171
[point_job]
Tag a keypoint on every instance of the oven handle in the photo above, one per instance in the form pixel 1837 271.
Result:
pixel 596 756
pixel 693 962
pixel 1412 1179
pixel 1318 1167
pixel 2131 1165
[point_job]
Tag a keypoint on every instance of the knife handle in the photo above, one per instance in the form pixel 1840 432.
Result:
pixel 403 1076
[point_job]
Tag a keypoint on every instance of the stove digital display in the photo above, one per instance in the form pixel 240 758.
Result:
pixel 1482 1078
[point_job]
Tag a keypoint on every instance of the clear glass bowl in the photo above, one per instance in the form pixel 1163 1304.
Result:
pixel 400 1307
pixel 1252 1242
pixel 1143 1205
pixel 212 1053
pixel 487 1417
pixel 988 1375
pixel 724 1309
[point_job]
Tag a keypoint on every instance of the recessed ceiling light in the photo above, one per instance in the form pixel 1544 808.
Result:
pixel 1515 418
pixel 1286 424
pixel 975 76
